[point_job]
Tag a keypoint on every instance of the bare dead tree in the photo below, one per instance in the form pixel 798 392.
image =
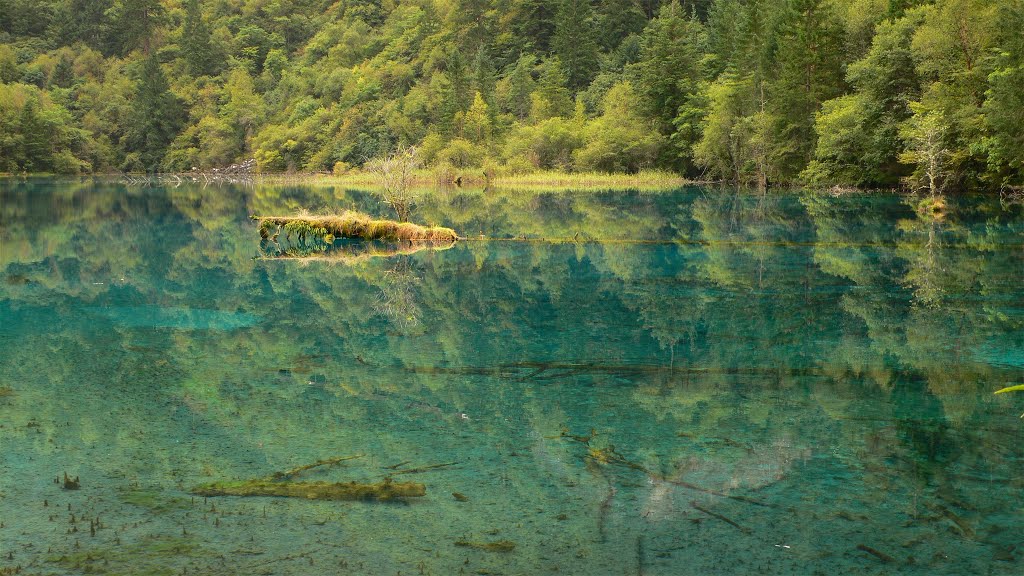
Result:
pixel 395 173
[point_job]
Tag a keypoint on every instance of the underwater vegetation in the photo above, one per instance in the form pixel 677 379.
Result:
pixel 499 546
pixel 384 490
pixel 280 484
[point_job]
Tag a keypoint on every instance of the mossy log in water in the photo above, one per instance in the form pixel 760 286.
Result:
pixel 384 490
pixel 350 224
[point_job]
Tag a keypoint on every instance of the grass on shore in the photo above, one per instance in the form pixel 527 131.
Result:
pixel 542 180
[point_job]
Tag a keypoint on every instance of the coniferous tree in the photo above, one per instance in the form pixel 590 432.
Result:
pixel 197 43
pixel 456 96
pixel 858 133
pixel 35 144
pixel 617 19
pixel 668 74
pixel 809 72
pixel 1004 106
pixel 63 75
pixel 156 117
pixel 483 80
pixel 574 42
pixel 531 25
pixel 83 21
pixel 519 85
pixel 552 97
pixel 131 24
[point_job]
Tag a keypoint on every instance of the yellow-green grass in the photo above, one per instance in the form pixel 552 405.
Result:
pixel 349 224
pixel 546 180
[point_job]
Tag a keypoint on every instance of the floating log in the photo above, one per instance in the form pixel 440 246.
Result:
pixel 351 224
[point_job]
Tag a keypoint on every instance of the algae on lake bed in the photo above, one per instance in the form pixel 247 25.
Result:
pixel 280 484
pixel 384 490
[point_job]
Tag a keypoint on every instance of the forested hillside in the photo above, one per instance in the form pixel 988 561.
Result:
pixel 860 92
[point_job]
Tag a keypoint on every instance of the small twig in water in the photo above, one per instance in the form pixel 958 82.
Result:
pixel 877 554
pixel 424 468
pixel 720 517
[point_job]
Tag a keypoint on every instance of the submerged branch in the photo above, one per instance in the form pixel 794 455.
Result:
pixel 279 484
pixel 296 471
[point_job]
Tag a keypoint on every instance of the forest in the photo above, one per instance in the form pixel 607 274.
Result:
pixel 867 93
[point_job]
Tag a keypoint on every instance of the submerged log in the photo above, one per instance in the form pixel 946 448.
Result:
pixel 350 224
pixel 280 484
pixel 384 490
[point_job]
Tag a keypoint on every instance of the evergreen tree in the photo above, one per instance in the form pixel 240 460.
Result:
pixel 63 75
pixel 1004 106
pixel 519 85
pixel 809 72
pixel 552 97
pixel 197 43
pixel 531 25
pixel 483 80
pixel 668 74
pixel 83 21
pixel 156 117
pixel 858 134
pixel 36 150
pixel 618 19
pixel 455 96
pixel 131 24
pixel 574 42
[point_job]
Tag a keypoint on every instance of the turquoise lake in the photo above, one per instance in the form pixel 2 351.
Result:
pixel 690 382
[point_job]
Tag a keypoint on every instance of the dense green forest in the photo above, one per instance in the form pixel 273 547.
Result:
pixel 859 92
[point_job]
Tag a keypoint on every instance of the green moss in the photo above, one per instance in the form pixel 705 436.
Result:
pixel 499 546
pixel 151 555
pixel 384 490
pixel 154 501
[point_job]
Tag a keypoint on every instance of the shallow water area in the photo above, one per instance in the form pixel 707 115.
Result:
pixel 698 381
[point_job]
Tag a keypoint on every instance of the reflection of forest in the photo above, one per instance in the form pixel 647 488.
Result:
pixel 700 315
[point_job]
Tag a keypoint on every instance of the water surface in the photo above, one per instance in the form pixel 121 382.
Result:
pixel 699 381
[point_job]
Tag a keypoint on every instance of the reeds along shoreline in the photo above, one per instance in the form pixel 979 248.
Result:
pixel 351 225
pixel 546 180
